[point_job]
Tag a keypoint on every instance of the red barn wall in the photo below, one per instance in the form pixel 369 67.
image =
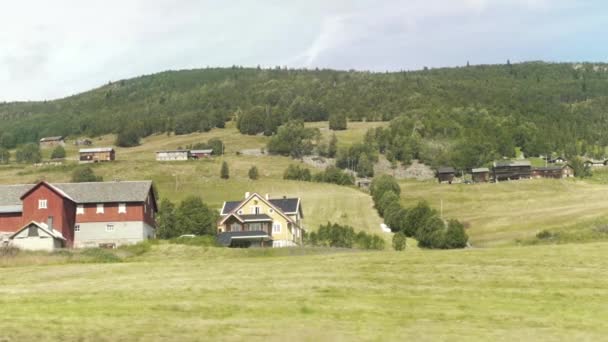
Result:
pixel 10 222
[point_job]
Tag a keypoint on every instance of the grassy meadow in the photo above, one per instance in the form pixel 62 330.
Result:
pixel 184 293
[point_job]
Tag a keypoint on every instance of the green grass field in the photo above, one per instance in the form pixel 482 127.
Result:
pixel 181 293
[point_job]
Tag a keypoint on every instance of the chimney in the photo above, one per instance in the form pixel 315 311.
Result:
pixel 247 194
pixel 49 223
pixel 267 197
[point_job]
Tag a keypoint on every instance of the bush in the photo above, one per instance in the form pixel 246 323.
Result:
pixel 83 174
pixel 416 217
pixel 296 172
pixel 455 236
pixel 386 199
pixel 399 241
pixel 382 184
pixel 334 175
pixel 544 235
pixel 5 155
pixel 253 173
pixel 58 153
pixel 335 235
pixel 395 217
pixel 28 153
pixel 293 139
pixel 337 121
pixel 224 172
pixel 128 137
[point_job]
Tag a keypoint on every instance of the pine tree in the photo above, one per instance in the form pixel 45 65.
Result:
pixel 253 173
pixel 225 172
pixel 333 146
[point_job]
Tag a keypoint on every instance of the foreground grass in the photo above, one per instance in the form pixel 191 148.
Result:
pixel 193 293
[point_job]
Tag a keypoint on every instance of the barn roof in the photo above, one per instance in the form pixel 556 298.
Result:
pixel 9 209
pixel 42 226
pixel 51 139
pixel 286 205
pixel 446 169
pixel 98 192
pixel 201 151
pixel 512 163
pixel 480 170
pixel 96 150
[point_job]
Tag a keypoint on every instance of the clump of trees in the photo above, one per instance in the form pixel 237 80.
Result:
pixel 83 174
pixel 337 121
pixel 359 157
pixel 28 153
pixel 420 222
pixel 192 216
pixel 296 172
pixel 399 241
pixel 581 170
pixel 58 153
pixel 5 155
pixel 331 174
pixel 214 144
pixel 128 137
pixel 335 235
pixel 293 139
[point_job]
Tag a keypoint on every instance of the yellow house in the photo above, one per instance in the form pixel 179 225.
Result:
pixel 259 221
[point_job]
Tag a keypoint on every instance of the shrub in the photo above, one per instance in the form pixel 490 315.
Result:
pixel 399 241
pixel 5 155
pixel 334 175
pixel 382 184
pixel 335 235
pixel 337 121
pixel 395 217
pixel 296 172
pixel 455 236
pixel 416 217
pixel 58 153
pixel 293 139
pixel 544 235
pixel 224 172
pixel 388 198
pixel 28 153
pixel 253 173
pixel 83 174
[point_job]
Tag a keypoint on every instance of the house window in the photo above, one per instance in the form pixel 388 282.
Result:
pixel 77 228
pixel 110 228
pixel 256 210
pixel 122 208
pixel 42 204
pixel 235 227
pixel 240 212
pixel 80 209
pixel 255 227
pixel 276 228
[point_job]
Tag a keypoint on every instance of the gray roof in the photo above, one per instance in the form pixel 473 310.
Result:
pixel 286 205
pixel 480 169
pixel 202 151
pixel 513 163
pixel 100 192
pixel 253 218
pixel 9 209
pixel 446 169
pixel 174 151
pixel 51 139
pixel 96 150
pixel 225 239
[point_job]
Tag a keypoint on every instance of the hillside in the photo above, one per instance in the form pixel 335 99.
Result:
pixel 540 107
pixel 192 293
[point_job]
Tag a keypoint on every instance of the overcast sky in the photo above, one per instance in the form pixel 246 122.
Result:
pixel 52 49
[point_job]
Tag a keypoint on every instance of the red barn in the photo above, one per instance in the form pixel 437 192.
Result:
pixel 85 214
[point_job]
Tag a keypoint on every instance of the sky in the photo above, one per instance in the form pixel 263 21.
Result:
pixel 54 49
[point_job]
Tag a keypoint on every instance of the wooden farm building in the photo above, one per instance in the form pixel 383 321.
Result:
pixel 557 160
pixel 94 155
pixel 510 170
pixel 177 155
pixel 481 175
pixel 200 154
pixel 556 172
pixel 52 142
pixel 83 142
pixel 595 163
pixel 446 174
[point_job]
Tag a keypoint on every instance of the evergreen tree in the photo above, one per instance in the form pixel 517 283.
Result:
pixel 253 173
pixel 399 241
pixel 166 220
pixel 84 174
pixel 455 236
pixel 337 121
pixel 224 172
pixel 333 146
pixel 5 155
pixel 58 153
pixel 365 168
pixel 28 153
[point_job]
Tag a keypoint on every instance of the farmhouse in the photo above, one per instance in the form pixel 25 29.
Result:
pixel 481 175
pixel 557 160
pixel 510 170
pixel 83 142
pixel 260 221
pixel 94 155
pixel 556 172
pixel 52 142
pixel 595 163
pixel 200 154
pixel 446 174
pixel 77 214
pixel 176 155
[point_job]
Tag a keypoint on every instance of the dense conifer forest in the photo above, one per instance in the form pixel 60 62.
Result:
pixel 480 111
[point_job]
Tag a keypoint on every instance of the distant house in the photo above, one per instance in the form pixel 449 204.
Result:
pixel 83 142
pixel 176 155
pixel 364 183
pixel 54 215
pixel 481 175
pixel 446 174
pixel 94 155
pixel 556 172
pixel 49 142
pixel 200 154
pixel 261 222
pixel 511 170
pixel 557 160
pixel 595 163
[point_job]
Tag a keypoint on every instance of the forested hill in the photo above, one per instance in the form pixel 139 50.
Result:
pixel 562 103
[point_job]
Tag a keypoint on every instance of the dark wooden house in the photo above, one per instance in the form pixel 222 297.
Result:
pixel 52 142
pixel 481 175
pixel 511 170
pixel 201 154
pixel 94 155
pixel 446 174
pixel 556 172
